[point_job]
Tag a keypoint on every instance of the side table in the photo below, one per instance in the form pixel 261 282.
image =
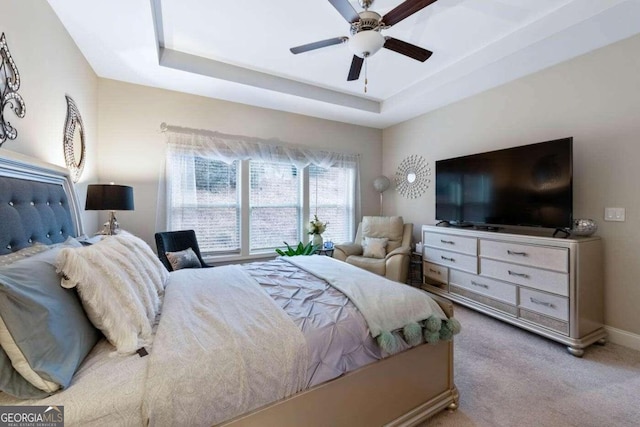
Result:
pixel 415 269
pixel 327 252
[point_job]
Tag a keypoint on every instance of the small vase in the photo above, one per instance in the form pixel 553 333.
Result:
pixel 317 240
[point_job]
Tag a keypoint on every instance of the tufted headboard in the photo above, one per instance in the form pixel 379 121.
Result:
pixel 38 203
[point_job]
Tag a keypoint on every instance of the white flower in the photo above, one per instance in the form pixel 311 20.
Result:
pixel 316 226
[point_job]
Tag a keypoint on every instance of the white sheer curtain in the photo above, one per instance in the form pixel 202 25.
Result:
pixel 183 144
pixel 209 144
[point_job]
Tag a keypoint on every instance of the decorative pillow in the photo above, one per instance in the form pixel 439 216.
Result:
pixel 374 247
pixel 120 282
pixel 44 331
pixel 11 382
pixel 183 259
pixel 23 253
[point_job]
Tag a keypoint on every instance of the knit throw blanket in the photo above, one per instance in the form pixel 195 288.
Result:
pixel 385 305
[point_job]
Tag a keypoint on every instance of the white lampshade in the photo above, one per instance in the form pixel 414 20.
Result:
pixel 381 183
pixel 366 43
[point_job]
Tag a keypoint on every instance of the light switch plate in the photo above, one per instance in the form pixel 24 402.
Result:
pixel 614 214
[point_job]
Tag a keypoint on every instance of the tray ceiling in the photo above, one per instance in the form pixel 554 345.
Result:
pixel 239 50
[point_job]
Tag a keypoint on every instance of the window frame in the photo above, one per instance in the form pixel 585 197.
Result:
pixel 244 206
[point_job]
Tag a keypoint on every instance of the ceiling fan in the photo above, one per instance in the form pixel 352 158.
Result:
pixel 366 38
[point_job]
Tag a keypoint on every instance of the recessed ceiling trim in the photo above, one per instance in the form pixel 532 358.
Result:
pixel 232 73
pixel 158 27
pixel 220 70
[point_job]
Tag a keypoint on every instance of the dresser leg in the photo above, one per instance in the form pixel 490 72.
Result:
pixel 601 341
pixel 577 352
pixel 456 400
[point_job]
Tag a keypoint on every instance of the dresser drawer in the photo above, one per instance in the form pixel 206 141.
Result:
pixel 536 256
pixel 484 286
pixel 452 259
pixel 544 280
pixel 435 272
pixel 539 302
pixel 465 245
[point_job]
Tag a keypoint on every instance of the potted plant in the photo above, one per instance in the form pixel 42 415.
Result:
pixel 308 249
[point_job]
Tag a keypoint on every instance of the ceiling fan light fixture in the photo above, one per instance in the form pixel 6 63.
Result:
pixel 366 43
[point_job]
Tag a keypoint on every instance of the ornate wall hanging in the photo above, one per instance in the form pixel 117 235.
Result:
pixel 9 96
pixel 73 141
pixel 412 177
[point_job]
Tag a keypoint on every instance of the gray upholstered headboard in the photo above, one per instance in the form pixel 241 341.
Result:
pixel 38 203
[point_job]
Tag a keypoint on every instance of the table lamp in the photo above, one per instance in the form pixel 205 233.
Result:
pixel 109 197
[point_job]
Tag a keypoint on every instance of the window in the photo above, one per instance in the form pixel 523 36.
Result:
pixel 247 197
pixel 275 204
pixel 205 198
pixel 331 197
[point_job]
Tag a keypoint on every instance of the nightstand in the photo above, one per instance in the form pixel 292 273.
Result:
pixel 328 252
pixel 415 269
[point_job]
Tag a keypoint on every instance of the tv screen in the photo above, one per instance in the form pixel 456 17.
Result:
pixel 530 185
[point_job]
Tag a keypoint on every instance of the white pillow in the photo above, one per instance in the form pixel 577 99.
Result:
pixel 120 282
pixel 375 247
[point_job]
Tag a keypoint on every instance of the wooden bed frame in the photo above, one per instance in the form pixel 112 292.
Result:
pixel 402 390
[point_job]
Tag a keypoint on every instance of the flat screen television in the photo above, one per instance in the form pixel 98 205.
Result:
pixel 530 185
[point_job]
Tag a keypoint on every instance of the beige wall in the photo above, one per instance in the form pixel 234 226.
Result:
pixel 50 66
pixel 132 148
pixel 596 99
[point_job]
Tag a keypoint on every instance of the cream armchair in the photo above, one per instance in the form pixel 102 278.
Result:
pixel 394 263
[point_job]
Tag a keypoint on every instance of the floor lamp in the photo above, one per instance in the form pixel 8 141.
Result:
pixel 381 184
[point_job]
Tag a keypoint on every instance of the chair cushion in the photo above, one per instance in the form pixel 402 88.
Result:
pixel 375 247
pixel 183 259
pixel 391 227
pixel 374 265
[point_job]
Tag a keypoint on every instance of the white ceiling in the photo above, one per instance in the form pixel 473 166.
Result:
pixel 238 50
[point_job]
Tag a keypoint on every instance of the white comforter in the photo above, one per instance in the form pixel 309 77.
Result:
pixel 242 351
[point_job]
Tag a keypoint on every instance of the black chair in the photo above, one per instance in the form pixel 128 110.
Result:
pixel 174 241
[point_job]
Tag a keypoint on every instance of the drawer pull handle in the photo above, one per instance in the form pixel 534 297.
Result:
pixel 447 258
pixel 513 273
pixel 537 301
pixel 481 285
pixel 516 253
pixel 448 242
pixel 434 271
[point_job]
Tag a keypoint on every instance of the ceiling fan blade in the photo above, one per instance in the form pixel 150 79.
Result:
pixel 404 10
pixel 346 10
pixel 317 45
pixel 356 66
pixel 407 49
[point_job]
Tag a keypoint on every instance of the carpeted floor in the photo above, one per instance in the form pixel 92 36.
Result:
pixel 510 377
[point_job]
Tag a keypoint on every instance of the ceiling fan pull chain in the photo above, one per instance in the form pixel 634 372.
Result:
pixel 366 81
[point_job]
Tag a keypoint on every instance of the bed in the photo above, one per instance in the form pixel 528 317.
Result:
pixel 183 368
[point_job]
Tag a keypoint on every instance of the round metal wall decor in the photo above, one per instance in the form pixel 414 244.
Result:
pixel 412 177
pixel 74 146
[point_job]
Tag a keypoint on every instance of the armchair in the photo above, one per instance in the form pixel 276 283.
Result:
pixel 394 264
pixel 173 241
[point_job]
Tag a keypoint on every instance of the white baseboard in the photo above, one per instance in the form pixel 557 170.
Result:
pixel 624 338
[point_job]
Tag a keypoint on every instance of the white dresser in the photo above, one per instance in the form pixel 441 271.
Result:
pixel 550 286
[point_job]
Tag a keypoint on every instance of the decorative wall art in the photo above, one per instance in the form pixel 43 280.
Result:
pixel 9 96
pixel 412 177
pixel 73 140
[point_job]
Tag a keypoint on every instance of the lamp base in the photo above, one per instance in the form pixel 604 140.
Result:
pixel 110 227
